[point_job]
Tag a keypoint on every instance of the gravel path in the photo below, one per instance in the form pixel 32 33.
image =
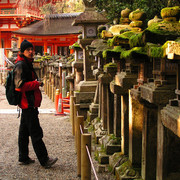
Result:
pixel 57 137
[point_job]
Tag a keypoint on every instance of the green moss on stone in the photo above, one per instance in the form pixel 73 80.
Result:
pixel 75 45
pixel 38 60
pixel 133 53
pixel 118 39
pixel 170 12
pixel 122 169
pixel 136 40
pixel 110 65
pixel 165 28
pixel 109 53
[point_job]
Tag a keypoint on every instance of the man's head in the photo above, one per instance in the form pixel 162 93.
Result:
pixel 27 49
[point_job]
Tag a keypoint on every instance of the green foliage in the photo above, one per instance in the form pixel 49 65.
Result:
pixel 113 8
pixel 63 7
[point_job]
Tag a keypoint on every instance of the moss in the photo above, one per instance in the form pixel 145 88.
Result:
pixel 38 60
pixel 90 128
pixel 98 119
pixel 96 155
pixel 117 140
pixel 133 53
pixel 137 15
pixel 124 30
pixel 103 149
pixel 136 24
pixel 110 42
pixel 110 168
pixel 136 40
pixel 112 52
pixel 110 65
pixel 75 45
pixel 118 39
pixel 156 52
pixel 101 28
pixel 159 33
pixel 165 28
pixel 71 60
pixel 124 167
pixel 178 40
pixel 170 12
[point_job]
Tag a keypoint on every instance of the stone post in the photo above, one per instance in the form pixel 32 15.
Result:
pixel 135 131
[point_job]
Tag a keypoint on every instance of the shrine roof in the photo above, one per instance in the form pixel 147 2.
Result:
pixel 55 24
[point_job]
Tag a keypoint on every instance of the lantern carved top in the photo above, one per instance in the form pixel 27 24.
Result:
pixel 90 15
pixel 89 3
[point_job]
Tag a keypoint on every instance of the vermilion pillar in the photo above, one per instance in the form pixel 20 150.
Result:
pixel 45 47
pixel 19 42
pixel 55 47
pixel 0 40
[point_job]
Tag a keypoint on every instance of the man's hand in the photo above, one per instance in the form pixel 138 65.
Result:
pixel 41 84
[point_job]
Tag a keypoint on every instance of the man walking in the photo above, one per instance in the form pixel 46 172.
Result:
pixel 26 81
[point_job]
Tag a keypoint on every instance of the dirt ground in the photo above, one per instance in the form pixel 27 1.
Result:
pixel 58 139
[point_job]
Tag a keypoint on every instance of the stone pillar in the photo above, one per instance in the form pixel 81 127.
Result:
pixel 88 75
pixel 104 105
pixel 60 79
pixel 125 124
pixel 135 131
pixel 149 142
pixel 104 80
pixel 110 110
pixel 117 115
pixel 161 152
pixel 100 100
pixel 79 75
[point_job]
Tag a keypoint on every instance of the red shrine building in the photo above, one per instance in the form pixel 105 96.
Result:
pixel 20 19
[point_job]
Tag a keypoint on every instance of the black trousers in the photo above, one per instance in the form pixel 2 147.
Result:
pixel 30 126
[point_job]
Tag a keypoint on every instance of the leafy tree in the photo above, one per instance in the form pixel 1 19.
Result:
pixel 63 7
pixel 113 8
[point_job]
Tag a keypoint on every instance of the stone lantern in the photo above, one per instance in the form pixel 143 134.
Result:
pixel 77 65
pixel 90 19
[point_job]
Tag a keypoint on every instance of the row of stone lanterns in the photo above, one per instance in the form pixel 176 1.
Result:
pixel 134 81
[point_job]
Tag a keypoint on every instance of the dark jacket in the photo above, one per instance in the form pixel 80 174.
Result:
pixel 25 80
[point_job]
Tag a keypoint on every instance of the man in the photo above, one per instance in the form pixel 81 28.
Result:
pixel 26 82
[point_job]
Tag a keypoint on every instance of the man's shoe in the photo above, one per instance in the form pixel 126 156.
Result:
pixel 50 162
pixel 29 161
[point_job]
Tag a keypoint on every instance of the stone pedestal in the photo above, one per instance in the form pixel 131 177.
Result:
pixel 85 95
pixel 94 107
pixel 168 156
pixel 156 96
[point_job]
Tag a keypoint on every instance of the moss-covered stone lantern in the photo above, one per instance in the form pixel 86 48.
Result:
pixel 90 19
